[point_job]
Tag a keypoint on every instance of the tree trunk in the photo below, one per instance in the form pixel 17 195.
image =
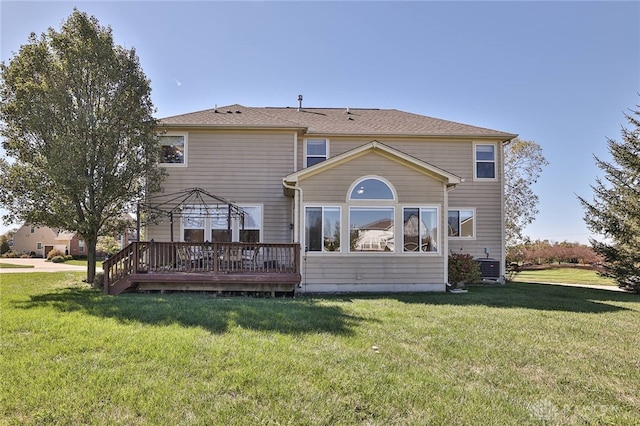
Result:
pixel 91 259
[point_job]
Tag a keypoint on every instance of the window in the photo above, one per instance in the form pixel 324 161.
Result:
pixel 461 223
pixel 420 229
pixel 173 149
pixel 38 246
pixel 371 189
pixel 81 246
pixel 213 221
pixel 193 224
pixel 33 229
pixel 317 151
pixel 251 224
pixel 371 229
pixel 220 226
pixel 322 229
pixel 485 161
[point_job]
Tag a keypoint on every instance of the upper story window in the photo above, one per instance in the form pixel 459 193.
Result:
pixel 317 150
pixel 371 189
pixel 174 149
pixel 485 158
pixel 32 230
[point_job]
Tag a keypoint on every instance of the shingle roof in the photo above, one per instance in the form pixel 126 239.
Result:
pixel 331 121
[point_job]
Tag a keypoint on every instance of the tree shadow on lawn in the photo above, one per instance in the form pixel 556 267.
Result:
pixel 531 296
pixel 215 314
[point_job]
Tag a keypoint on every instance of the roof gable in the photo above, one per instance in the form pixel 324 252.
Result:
pixel 386 151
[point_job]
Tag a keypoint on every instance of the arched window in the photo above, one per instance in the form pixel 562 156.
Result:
pixel 371 189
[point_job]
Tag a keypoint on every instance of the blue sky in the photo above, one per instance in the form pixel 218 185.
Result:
pixel 559 73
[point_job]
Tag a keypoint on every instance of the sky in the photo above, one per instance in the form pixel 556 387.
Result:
pixel 562 74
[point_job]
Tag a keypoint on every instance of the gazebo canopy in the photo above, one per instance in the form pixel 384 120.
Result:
pixel 193 203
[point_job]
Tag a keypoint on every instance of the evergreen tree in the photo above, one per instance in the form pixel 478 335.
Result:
pixel 76 117
pixel 615 209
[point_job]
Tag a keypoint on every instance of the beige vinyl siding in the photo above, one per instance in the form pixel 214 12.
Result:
pixel 455 156
pixel 410 186
pixel 347 271
pixel 244 167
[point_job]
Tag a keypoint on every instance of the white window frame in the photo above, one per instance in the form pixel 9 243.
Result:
pixel 371 200
pixel 306 150
pixel 80 246
pixel 186 149
pixel 476 161
pixel 373 207
pixel 323 207
pixel 475 221
pixel 438 238
pixel 39 245
pixel 236 226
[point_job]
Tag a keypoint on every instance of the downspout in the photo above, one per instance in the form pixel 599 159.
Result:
pixel 297 200
pixel 297 210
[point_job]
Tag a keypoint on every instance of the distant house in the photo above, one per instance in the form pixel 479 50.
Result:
pixel 376 199
pixel 38 241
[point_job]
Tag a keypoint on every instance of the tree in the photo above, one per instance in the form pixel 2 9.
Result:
pixel 107 244
pixel 77 121
pixel 523 164
pixel 615 209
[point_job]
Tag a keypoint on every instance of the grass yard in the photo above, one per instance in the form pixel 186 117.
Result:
pixel 4 265
pixel 523 354
pixel 563 275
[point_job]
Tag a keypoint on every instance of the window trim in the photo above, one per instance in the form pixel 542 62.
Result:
pixel 394 210
pixel 369 200
pixel 304 232
pixel 475 221
pixel 306 152
pixel 438 238
pixel 235 224
pixel 186 149
pixel 476 161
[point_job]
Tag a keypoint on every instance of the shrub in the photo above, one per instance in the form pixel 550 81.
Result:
pixel 463 270
pixel 53 253
pixel 68 257
pixel 10 255
pixel 57 259
pixel 98 280
pixel 24 256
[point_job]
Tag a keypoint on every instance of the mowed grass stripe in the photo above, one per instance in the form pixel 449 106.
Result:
pixel 515 354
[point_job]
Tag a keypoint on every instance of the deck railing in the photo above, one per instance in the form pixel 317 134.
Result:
pixel 216 258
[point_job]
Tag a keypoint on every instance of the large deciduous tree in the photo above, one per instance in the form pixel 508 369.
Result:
pixel 523 164
pixel 615 209
pixel 78 129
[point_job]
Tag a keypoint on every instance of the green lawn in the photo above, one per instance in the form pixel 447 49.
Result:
pixel 567 275
pixel 13 265
pixel 523 354
pixel 79 262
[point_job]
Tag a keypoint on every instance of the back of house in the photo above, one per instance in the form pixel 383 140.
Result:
pixel 376 198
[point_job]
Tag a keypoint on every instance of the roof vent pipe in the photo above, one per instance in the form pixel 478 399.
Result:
pixel 299 102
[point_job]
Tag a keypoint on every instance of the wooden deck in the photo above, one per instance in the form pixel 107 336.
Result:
pixel 215 267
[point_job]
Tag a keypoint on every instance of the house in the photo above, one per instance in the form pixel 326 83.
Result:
pixel 373 199
pixel 38 241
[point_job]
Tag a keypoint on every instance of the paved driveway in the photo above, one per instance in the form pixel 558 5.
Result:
pixel 40 265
